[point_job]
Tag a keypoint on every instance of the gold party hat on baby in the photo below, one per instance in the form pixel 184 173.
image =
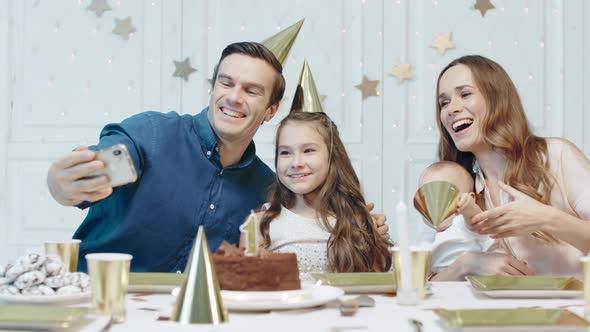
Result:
pixel 199 300
pixel 306 97
pixel 437 201
pixel 280 43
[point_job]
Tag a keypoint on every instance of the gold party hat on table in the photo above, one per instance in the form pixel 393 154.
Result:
pixel 199 300
pixel 306 97
pixel 437 201
pixel 280 43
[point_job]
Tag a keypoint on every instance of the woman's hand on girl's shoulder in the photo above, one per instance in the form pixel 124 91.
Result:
pixel 379 220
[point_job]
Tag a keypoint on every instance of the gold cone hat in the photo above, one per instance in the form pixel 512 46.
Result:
pixel 280 43
pixel 199 300
pixel 306 97
pixel 437 201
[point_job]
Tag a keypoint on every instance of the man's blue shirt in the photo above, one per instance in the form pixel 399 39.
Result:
pixel 181 185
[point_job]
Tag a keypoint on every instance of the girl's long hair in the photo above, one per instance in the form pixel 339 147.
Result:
pixel 504 127
pixel 354 244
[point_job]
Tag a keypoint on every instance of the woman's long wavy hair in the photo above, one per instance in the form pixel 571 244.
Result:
pixel 354 244
pixel 504 127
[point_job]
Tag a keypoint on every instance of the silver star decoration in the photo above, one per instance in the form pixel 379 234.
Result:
pixel 123 28
pixel 99 7
pixel 183 69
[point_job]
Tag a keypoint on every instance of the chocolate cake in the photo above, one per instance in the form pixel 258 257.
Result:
pixel 264 272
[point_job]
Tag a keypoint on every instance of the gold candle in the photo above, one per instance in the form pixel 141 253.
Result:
pixel 109 277
pixel 420 268
pixel 67 250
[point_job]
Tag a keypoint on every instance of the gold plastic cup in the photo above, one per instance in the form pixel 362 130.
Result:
pixel 586 265
pixel 67 250
pixel 109 277
pixel 420 268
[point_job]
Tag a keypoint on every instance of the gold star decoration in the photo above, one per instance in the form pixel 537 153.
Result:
pixel 183 69
pixel 402 71
pixel 124 28
pixel 99 7
pixel 483 6
pixel 442 42
pixel 368 87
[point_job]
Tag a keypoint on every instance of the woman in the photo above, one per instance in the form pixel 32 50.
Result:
pixel 535 191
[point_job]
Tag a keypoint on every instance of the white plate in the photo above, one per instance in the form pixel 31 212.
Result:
pixel 280 300
pixel 49 299
pixel 532 294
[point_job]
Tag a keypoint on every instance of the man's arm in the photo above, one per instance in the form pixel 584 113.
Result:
pixel 379 220
pixel 68 178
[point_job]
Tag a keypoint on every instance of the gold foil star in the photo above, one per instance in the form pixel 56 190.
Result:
pixel 483 6
pixel 442 42
pixel 402 71
pixel 123 28
pixel 183 69
pixel 368 87
pixel 99 7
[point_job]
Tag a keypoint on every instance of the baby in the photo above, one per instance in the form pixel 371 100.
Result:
pixel 451 243
pixel 456 175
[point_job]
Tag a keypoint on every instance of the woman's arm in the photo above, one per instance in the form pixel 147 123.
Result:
pixel 482 263
pixel 524 215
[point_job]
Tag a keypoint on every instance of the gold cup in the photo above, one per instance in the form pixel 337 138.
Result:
pixel 109 277
pixel 586 264
pixel 67 250
pixel 420 268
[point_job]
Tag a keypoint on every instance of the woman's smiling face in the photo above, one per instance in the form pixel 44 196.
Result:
pixel 462 108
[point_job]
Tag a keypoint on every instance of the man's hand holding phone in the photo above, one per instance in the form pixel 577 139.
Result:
pixel 84 175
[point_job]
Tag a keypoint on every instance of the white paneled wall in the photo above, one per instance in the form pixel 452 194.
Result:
pixel 64 74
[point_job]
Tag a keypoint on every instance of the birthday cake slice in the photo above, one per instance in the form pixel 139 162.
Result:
pixel 264 271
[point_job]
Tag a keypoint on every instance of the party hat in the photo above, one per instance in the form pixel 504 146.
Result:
pixel 199 300
pixel 280 43
pixel 306 97
pixel 437 201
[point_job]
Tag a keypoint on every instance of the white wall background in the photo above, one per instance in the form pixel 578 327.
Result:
pixel 64 74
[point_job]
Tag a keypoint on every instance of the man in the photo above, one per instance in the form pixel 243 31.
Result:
pixel 193 170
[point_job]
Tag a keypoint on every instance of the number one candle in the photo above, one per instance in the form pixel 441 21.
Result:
pixel 250 229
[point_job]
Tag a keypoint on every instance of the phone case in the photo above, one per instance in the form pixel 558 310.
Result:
pixel 118 165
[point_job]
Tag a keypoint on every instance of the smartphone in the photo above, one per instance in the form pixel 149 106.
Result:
pixel 118 165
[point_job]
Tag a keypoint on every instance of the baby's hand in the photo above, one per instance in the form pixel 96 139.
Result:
pixel 464 201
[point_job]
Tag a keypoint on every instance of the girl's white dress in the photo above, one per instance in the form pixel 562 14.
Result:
pixel 292 233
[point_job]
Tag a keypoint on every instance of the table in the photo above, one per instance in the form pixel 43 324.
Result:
pixel 387 315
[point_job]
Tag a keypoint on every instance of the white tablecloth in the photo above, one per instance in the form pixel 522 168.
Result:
pixel 387 315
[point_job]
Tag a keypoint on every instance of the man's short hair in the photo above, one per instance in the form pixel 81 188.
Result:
pixel 257 51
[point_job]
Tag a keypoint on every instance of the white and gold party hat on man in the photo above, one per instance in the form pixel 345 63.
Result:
pixel 280 43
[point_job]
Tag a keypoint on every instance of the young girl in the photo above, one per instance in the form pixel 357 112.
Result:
pixel 316 208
